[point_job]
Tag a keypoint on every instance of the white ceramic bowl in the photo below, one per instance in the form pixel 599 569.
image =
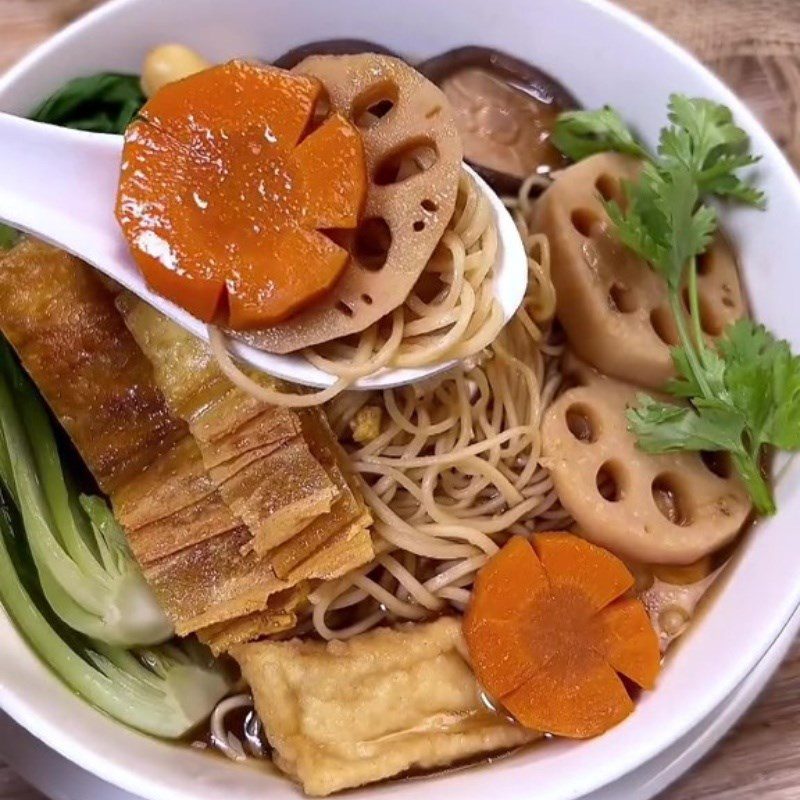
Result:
pixel 603 55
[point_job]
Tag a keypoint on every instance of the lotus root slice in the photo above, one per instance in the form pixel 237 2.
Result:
pixel 614 307
pixel 404 119
pixel 671 508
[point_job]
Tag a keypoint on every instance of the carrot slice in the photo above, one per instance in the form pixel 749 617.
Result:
pixel 577 707
pixel 506 589
pixel 570 560
pixel 324 160
pixel 506 665
pixel 548 634
pixel 630 642
pixel 205 108
pixel 509 583
pixel 223 203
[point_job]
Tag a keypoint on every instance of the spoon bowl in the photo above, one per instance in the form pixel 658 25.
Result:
pixel 60 185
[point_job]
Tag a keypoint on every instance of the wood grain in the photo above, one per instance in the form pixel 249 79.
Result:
pixel 12 787
pixel 754 45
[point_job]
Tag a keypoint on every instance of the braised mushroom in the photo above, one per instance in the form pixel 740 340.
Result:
pixel 505 110
pixel 329 47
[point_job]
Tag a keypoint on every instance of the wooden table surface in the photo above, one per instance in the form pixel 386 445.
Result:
pixel 754 45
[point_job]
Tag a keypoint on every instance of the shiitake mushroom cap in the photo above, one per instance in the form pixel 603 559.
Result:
pixel 330 47
pixel 527 79
pixel 530 81
pixel 537 82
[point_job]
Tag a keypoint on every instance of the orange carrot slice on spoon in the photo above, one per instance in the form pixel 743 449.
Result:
pixel 223 201
pixel 549 634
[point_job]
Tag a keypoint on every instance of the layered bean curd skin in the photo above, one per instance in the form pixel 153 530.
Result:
pixel 443 570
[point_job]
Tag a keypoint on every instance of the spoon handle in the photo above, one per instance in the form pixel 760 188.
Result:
pixel 60 185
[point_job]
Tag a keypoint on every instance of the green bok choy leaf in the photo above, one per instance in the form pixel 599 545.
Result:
pixel 164 691
pixel 69 583
pixel 87 573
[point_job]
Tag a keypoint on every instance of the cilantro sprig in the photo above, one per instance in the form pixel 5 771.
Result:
pixel 751 399
pixel 580 134
pixel 743 394
pixel 702 137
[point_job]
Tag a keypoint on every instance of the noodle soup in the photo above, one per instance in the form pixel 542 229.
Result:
pixel 359 585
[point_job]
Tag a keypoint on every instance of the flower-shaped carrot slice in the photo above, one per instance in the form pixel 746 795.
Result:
pixel 223 202
pixel 550 634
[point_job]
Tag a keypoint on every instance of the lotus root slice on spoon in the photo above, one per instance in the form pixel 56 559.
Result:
pixel 671 508
pixel 613 306
pixel 403 118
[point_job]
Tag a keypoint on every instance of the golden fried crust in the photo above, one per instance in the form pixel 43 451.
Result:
pixel 314 525
pixel 278 617
pixel 62 322
pixel 193 494
pixel 344 714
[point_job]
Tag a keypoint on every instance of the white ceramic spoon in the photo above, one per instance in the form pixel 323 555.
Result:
pixel 60 185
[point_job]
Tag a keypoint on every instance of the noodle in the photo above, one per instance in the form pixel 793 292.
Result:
pixel 451 314
pixel 222 739
pixel 455 468
pixel 452 469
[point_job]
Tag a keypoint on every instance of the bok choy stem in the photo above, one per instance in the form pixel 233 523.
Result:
pixel 87 573
pixel 86 602
pixel 167 699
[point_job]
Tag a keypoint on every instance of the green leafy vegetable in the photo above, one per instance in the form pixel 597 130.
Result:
pixel 103 103
pixel 763 379
pixel 165 691
pixel 87 573
pixel 662 221
pixel 703 138
pixel 579 134
pixel 746 393
pixel 84 581
pixel 754 388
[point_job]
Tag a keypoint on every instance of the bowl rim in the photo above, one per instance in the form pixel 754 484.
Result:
pixel 104 764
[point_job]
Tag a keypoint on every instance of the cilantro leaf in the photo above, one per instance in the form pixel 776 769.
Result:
pixel 579 134
pixel 700 128
pixel 685 384
pixel 689 227
pixel 762 378
pixel 662 222
pixel 667 428
pixel 719 180
pixel 704 138
pixel 631 227
pixel 752 399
